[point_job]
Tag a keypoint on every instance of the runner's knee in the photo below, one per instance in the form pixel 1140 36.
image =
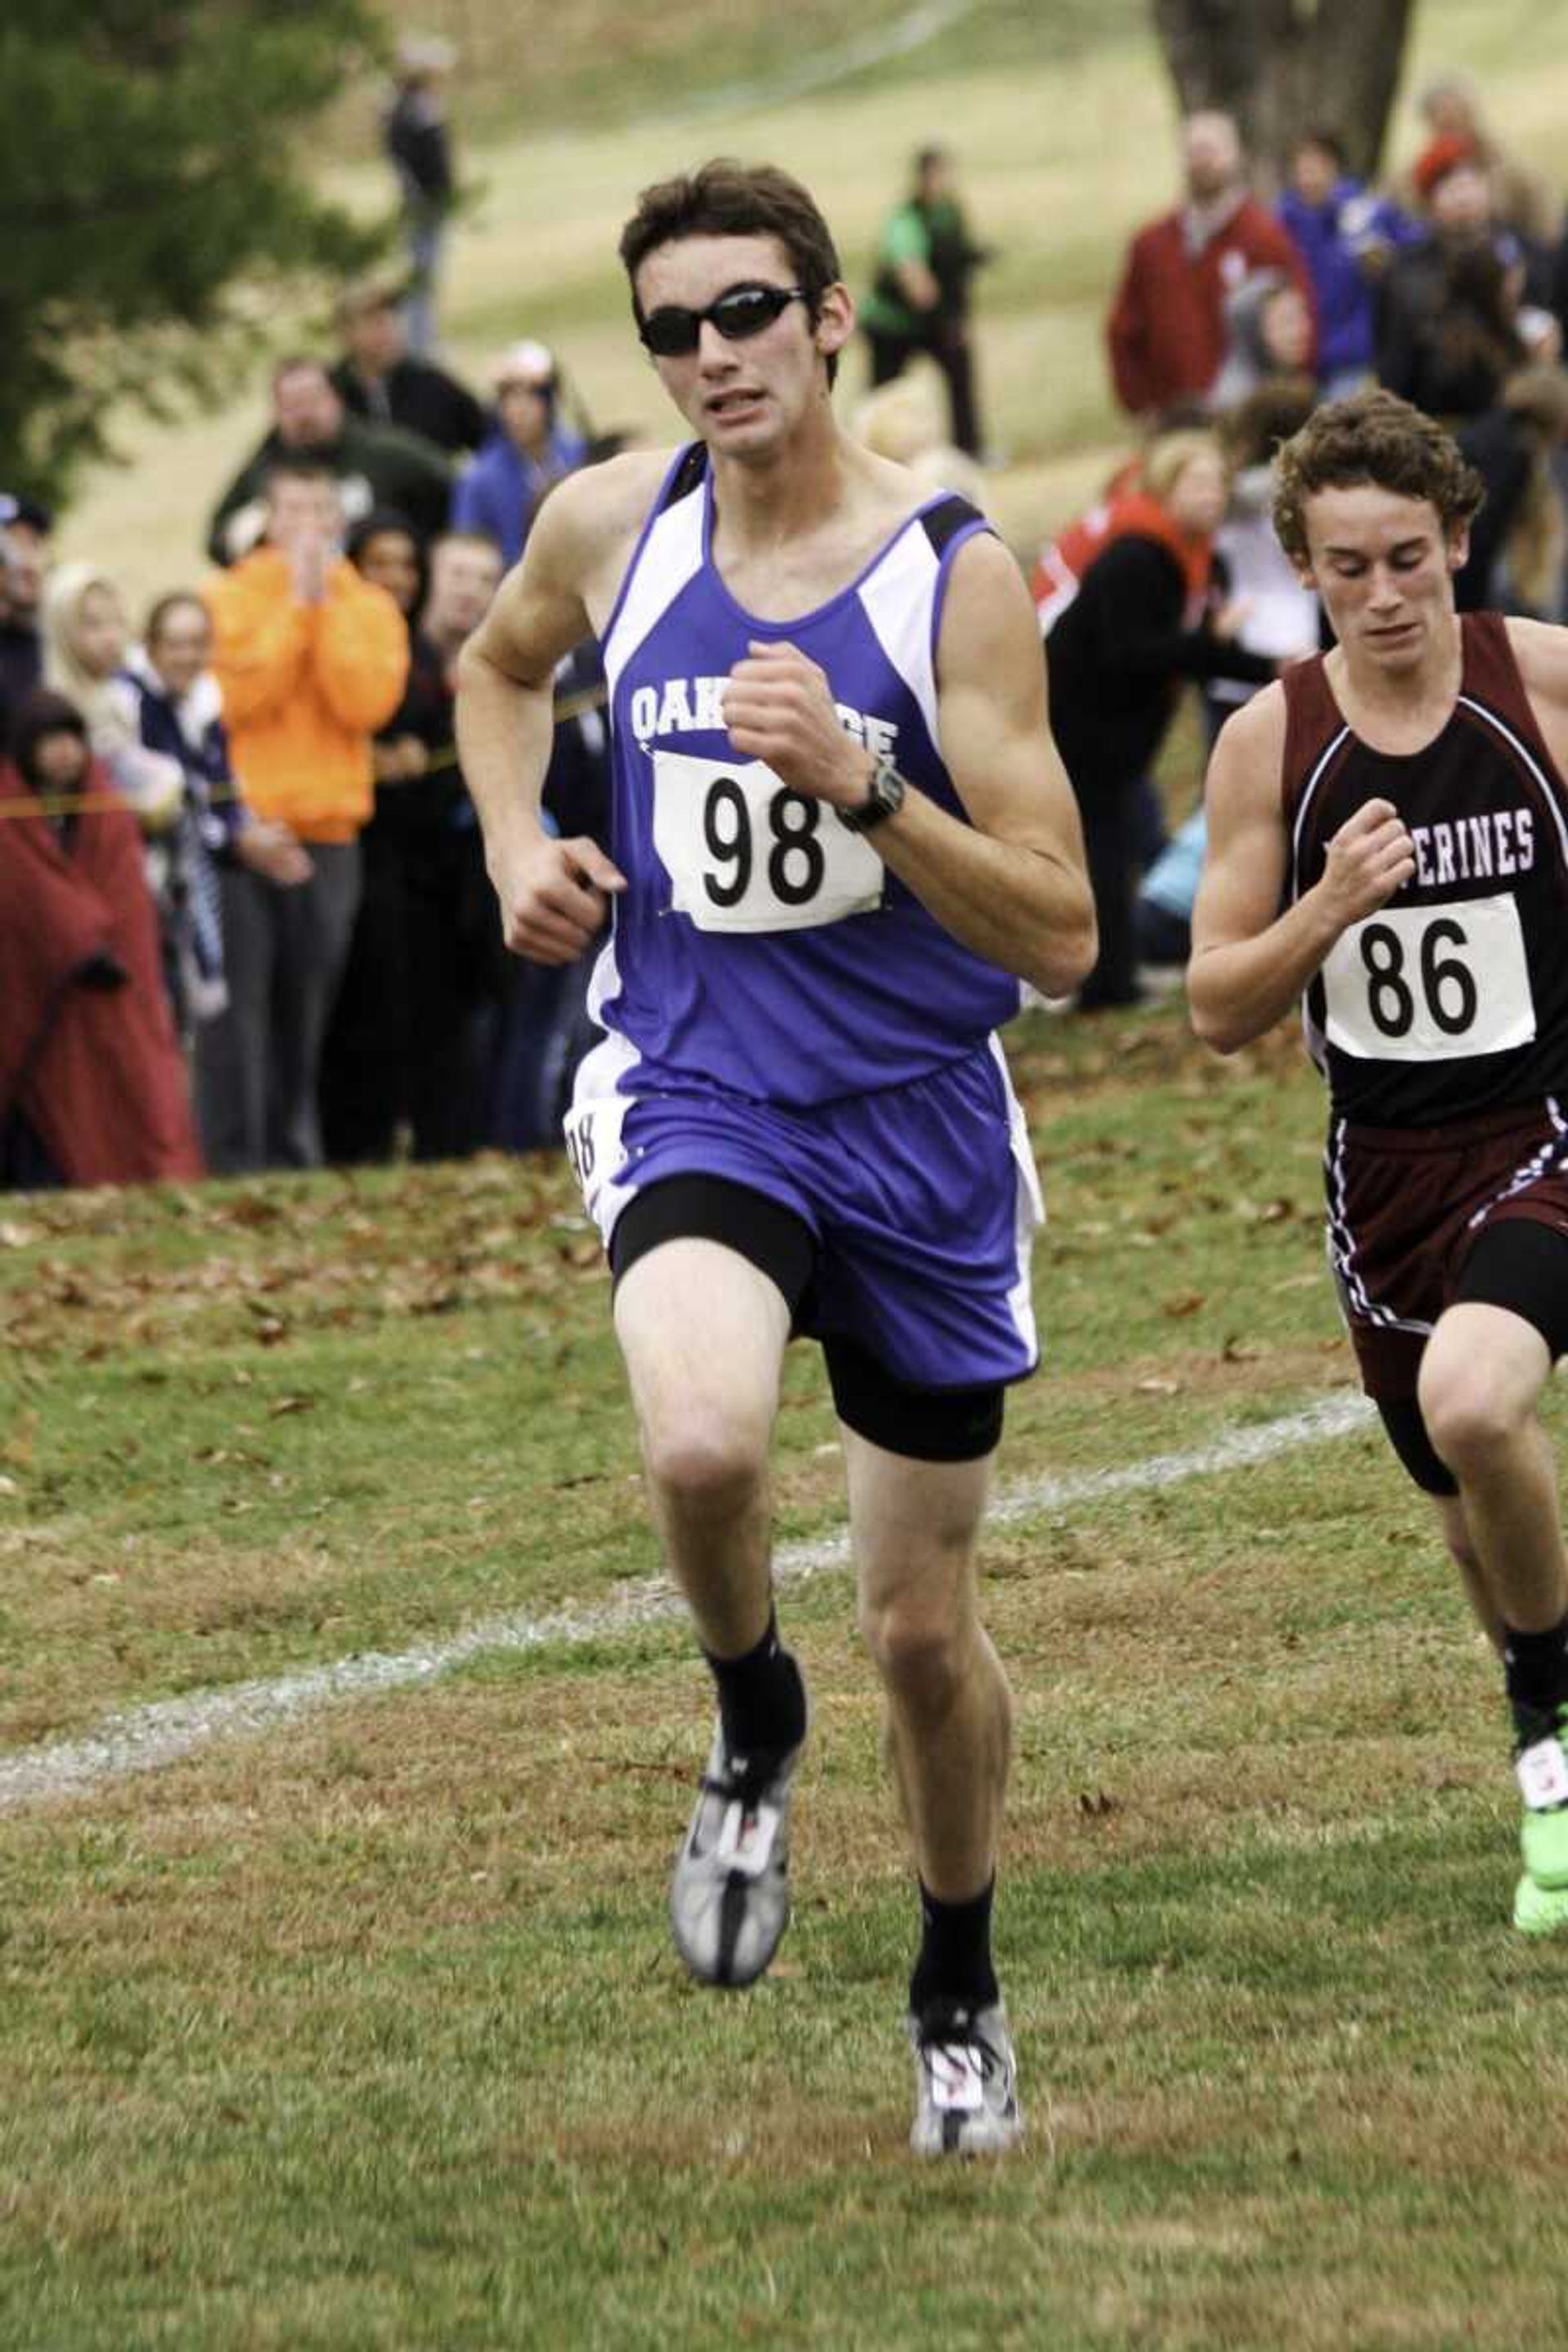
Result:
pixel 1462 1550
pixel 920 1645
pixel 1473 1413
pixel 708 1459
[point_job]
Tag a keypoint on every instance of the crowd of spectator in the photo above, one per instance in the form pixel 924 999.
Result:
pixel 236 856
pixel 244 921
pixel 1233 316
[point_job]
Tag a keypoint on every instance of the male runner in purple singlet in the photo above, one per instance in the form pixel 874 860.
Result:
pixel 839 837
pixel 1388 839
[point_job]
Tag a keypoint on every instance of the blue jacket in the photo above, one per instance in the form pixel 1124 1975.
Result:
pixel 180 869
pixel 499 488
pixel 1333 237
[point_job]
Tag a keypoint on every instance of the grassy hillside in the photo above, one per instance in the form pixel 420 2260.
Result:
pixel 543 66
pixel 1064 146
pixel 358 2029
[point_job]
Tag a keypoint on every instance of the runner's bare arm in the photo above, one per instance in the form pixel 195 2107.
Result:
pixel 1541 649
pixel 1011 884
pixel 1250 962
pixel 553 893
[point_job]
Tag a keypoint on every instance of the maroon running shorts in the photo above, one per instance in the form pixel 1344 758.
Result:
pixel 1405 1207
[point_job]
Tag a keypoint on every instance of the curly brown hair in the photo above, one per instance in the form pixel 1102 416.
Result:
pixel 1375 437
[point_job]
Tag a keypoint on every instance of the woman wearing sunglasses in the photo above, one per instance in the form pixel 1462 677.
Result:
pixel 840 836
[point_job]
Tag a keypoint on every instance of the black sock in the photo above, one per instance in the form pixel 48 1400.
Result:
pixel 954 1961
pixel 1537 1669
pixel 761 1698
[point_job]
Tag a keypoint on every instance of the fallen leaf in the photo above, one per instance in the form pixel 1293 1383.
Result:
pixel 19 1445
pixel 252 1208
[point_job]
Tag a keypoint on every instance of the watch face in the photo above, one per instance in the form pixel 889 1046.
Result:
pixel 884 798
pixel 886 789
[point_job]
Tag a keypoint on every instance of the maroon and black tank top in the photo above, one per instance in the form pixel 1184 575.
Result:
pixel 1453 999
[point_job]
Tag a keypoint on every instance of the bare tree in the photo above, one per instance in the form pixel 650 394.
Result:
pixel 1281 67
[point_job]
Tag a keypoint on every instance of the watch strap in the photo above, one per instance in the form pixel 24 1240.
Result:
pixel 884 798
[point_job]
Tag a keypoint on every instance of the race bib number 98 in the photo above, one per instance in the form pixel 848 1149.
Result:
pixel 1431 984
pixel 745 853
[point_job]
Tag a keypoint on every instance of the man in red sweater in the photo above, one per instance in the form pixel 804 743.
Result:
pixel 1167 330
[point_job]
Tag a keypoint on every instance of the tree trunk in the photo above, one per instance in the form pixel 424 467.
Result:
pixel 1283 67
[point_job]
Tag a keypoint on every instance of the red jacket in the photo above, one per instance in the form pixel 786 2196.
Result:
pixel 1125 509
pixel 96 1072
pixel 1166 330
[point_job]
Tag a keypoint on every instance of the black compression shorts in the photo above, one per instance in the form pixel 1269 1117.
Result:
pixel 1515 1263
pixel 924 1424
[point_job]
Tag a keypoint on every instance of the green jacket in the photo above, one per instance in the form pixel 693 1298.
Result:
pixel 376 465
pixel 937 235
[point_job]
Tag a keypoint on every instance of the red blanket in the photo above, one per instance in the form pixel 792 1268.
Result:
pixel 95 1071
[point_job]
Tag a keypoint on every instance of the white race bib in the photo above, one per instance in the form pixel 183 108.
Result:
pixel 1430 983
pixel 745 853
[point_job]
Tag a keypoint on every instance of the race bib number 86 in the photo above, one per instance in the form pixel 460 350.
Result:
pixel 745 853
pixel 1430 983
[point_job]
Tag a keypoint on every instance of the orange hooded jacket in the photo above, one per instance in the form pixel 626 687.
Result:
pixel 305 687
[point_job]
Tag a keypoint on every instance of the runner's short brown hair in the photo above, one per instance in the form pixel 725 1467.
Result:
pixel 725 198
pixel 1375 437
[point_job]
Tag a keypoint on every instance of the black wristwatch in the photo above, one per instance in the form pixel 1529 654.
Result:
pixel 884 798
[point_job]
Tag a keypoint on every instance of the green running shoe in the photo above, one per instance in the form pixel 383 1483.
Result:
pixel 1541 1899
pixel 1540 1910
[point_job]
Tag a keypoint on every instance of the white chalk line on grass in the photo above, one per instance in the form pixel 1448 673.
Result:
pixel 900 39
pixel 142 1738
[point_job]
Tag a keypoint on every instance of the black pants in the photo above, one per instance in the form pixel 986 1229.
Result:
pixel 1113 826
pixel 406 1036
pixel 890 355
pixel 257 1064
pixel 543 1033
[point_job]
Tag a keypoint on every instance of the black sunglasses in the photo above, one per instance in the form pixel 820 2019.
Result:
pixel 740 312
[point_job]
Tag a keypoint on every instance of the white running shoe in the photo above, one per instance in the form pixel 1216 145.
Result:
pixel 966 2081
pixel 729 1897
